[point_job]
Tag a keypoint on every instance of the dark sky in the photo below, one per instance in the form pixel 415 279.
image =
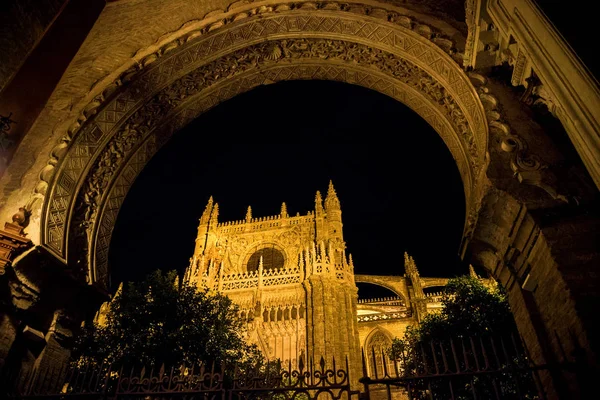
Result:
pixel 398 185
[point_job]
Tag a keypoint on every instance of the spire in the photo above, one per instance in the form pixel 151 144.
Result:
pixel 214 215
pixel 409 265
pixel 331 201
pixel 206 214
pixel 249 214
pixel 318 203
pixel 413 274
pixel 284 212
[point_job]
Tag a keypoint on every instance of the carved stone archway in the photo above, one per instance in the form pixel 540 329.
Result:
pixel 123 128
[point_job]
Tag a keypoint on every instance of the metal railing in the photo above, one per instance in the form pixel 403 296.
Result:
pixel 487 367
pixel 463 368
pixel 217 382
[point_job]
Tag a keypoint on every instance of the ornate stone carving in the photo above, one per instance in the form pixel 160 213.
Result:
pixel 528 168
pixel 101 118
pixel 237 12
pixel 142 121
pixel 472 20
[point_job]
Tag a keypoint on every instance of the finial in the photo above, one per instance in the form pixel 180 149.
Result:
pixel 260 264
pixel 350 261
pixel 472 272
pixel 331 201
pixel 318 203
pixel 249 214
pixel 409 265
pixel 207 211
pixel 215 213
pixel 284 212
pixel 331 189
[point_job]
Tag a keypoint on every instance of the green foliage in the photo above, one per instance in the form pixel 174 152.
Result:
pixel 470 310
pixel 158 322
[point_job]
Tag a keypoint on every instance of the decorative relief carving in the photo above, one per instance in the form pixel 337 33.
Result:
pixel 527 167
pixel 141 121
pixel 472 16
pixel 248 58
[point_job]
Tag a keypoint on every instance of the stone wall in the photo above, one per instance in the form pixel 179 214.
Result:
pixel 22 25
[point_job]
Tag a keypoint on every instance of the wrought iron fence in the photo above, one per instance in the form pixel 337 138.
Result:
pixel 464 368
pixel 219 382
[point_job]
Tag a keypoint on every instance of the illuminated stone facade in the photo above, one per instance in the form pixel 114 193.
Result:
pixel 295 284
pixel 108 99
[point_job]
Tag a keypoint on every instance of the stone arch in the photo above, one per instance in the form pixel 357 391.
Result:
pixel 396 284
pixel 122 128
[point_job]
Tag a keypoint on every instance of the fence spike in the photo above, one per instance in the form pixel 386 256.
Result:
pixel 474 353
pixel 435 361
pixel 374 362
pixel 493 343
pixel 444 358
pixel 484 354
pixel 347 370
pixel 465 357
pixel 334 370
pixel 384 362
pixel 171 376
pixel 364 363
pixel 424 358
pixel 506 357
pixel 322 364
pixel 301 363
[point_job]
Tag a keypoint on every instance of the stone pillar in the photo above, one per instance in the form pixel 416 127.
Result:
pixel 332 327
pixel 50 366
pixel 524 257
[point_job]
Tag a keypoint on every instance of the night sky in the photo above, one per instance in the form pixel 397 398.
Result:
pixel 398 185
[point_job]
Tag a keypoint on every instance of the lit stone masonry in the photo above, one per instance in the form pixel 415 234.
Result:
pixel 295 284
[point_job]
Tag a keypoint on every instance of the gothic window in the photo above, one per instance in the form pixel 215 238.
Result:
pixel 378 345
pixel 272 258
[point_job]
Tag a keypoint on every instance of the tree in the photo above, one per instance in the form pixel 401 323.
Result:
pixel 157 322
pixel 475 319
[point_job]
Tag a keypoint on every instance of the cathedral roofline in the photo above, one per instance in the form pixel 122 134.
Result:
pixel 254 220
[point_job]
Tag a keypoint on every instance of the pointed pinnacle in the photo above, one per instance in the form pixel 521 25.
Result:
pixel 331 189
pixel 249 214
pixel 215 211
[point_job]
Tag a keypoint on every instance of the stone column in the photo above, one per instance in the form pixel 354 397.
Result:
pixel 527 259
pixel 332 328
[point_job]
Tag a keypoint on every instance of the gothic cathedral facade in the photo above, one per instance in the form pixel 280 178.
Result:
pixel 295 284
pixel 289 275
